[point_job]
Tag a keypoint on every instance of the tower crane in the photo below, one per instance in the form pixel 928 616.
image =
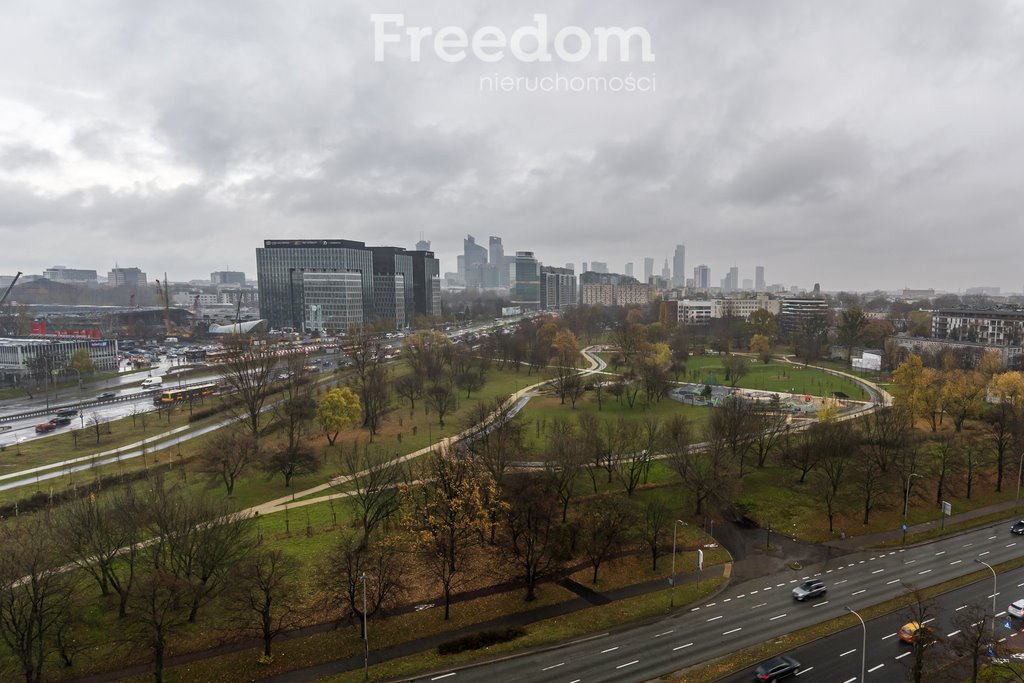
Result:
pixel 9 288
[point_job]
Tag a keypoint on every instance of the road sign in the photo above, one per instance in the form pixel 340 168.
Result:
pixel 904 526
pixel 700 559
pixel 947 508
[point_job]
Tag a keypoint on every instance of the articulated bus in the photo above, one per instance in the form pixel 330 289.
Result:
pixel 184 394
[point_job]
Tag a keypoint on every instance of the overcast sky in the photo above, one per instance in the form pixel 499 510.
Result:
pixel 857 144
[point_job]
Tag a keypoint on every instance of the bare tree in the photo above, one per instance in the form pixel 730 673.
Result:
pixel 597 453
pixel 563 462
pixel 266 594
pixel 226 456
pixel 770 427
pixel 631 455
pixel 35 594
pixel 248 375
pixel 102 536
pixel 291 462
pixel 160 610
pixel 372 481
pixel 441 398
pixel 379 564
pixel 973 637
pixel 653 527
pixel 603 527
pixel 533 537
pixel 370 379
pixel 922 610
pixel 409 387
pixel 732 425
pixel 495 436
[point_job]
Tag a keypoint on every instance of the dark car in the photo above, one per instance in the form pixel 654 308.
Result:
pixel 67 412
pixel 45 427
pixel 809 589
pixel 106 396
pixel 60 421
pixel 776 669
pixel 1018 528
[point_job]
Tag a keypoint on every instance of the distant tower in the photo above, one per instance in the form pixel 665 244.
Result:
pixel 648 268
pixel 679 266
pixel 666 272
pixel 423 245
pixel 584 267
pixel 629 269
pixel 702 277
pixel 759 279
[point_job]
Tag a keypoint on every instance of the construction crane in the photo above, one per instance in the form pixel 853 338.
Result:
pixel 9 288
pixel 131 314
pixel 164 294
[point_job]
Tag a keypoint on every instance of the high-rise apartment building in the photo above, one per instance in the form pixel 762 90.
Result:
pixel 648 268
pixel 759 279
pixel 334 284
pixel 557 288
pixel 227 277
pixel 598 267
pixel 629 269
pixel 679 266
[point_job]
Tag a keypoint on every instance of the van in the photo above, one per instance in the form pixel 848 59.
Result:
pixel 151 382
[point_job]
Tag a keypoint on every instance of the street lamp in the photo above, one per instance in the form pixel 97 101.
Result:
pixel 906 502
pixel 672 579
pixel 366 634
pixel 995 589
pixel 863 645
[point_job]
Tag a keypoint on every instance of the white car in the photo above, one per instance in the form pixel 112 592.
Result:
pixel 1016 609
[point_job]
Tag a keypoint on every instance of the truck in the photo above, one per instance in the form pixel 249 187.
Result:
pixel 152 382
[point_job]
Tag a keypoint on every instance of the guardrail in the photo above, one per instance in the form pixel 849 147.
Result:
pixel 94 403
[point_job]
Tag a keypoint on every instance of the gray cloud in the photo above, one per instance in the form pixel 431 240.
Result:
pixel 839 142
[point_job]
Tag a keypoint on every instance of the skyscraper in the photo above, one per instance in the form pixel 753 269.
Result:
pixel 702 277
pixel 759 279
pixel 423 245
pixel 629 269
pixel 648 268
pixel 679 266
pixel 525 290
pixel 666 272
pixel 474 258
pixel 496 250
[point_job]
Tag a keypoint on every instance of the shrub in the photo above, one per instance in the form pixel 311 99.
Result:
pixel 475 641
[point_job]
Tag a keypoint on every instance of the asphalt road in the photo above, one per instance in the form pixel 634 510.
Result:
pixel 837 658
pixel 749 613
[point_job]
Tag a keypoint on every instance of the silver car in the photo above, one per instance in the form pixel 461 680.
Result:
pixel 809 589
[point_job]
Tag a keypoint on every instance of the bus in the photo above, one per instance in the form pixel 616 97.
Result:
pixel 169 396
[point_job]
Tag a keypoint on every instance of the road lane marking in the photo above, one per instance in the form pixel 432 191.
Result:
pixel 1010 545
pixel 862 590
pixel 839 582
pixel 1001 640
pixel 950 635
pixel 848 652
pixel 752 592
pixel 819 604
pixel 803 671
pixel 663 634
pixel 777 617
pixel 902 655
pixel 739 628
pixel 955 562
pixel 966 545
pixel 875 668
pixel 611 649
pixel 851 680
pixel 553 666
pixel 437 678
pixel 941 552
pixel 927 621
pixel 960 608
pixel 741 595
pixel 714 618
pixel 727 600
pixel 623 666
pixel 711 604
pixel 991 537
pixel 984 553
pixel 681 647
pixel 779 585
pixel 760 604
pixel 878 571
pixel 891 582
pixel 891 635
pixel 910 561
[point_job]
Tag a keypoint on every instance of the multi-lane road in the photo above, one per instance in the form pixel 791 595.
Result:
pixel 756 611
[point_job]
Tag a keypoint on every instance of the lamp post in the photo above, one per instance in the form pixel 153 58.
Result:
pixel 864 643
pixel 366 634
pixel 906 502
pixel 672 579
pixel 995 589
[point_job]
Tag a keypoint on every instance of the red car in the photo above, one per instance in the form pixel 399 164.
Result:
pixel 45 427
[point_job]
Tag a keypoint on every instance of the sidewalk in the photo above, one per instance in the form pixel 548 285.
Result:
pixel 864 542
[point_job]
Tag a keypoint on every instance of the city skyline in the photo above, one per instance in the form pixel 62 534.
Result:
pixel 175 140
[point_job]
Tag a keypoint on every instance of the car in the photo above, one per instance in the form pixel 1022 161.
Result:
pixel 60 421
pixel 1016 609
pixel 45 427
pixel 1018 528
pixel 67 412
pixel 106 396
pixel 777 669
pixel 809 589
pixel 913 630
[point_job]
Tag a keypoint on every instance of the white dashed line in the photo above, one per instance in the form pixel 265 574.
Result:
pixel 875 668
pixel 941 552
pixel 839 582
pixel 803 671
pixel 848 652
pixel 928 621
pixel 960 608
pixel 902 655
pixel 887 583
pixel 437 678
pixel 862 590
pixel 851 680
pixel 819 604
pixel 777 617
pixel 663 634
pixel 681 647
pixel 760 604
pixel 891 635
pixel 611 649
pixel 739 628
pixel 955 562
pixel 910 561
pixel 966 545
pixel 623 666
pixel 950 635
pixel 991 537
pixel 553 666
pixel 1010 545
pixel 878 571
pixel 923 572
pixel 984 553
pixel 716 618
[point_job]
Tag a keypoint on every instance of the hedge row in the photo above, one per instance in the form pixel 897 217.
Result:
pixel 479 640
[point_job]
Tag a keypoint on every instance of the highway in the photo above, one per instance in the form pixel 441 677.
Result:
pixel 750 613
